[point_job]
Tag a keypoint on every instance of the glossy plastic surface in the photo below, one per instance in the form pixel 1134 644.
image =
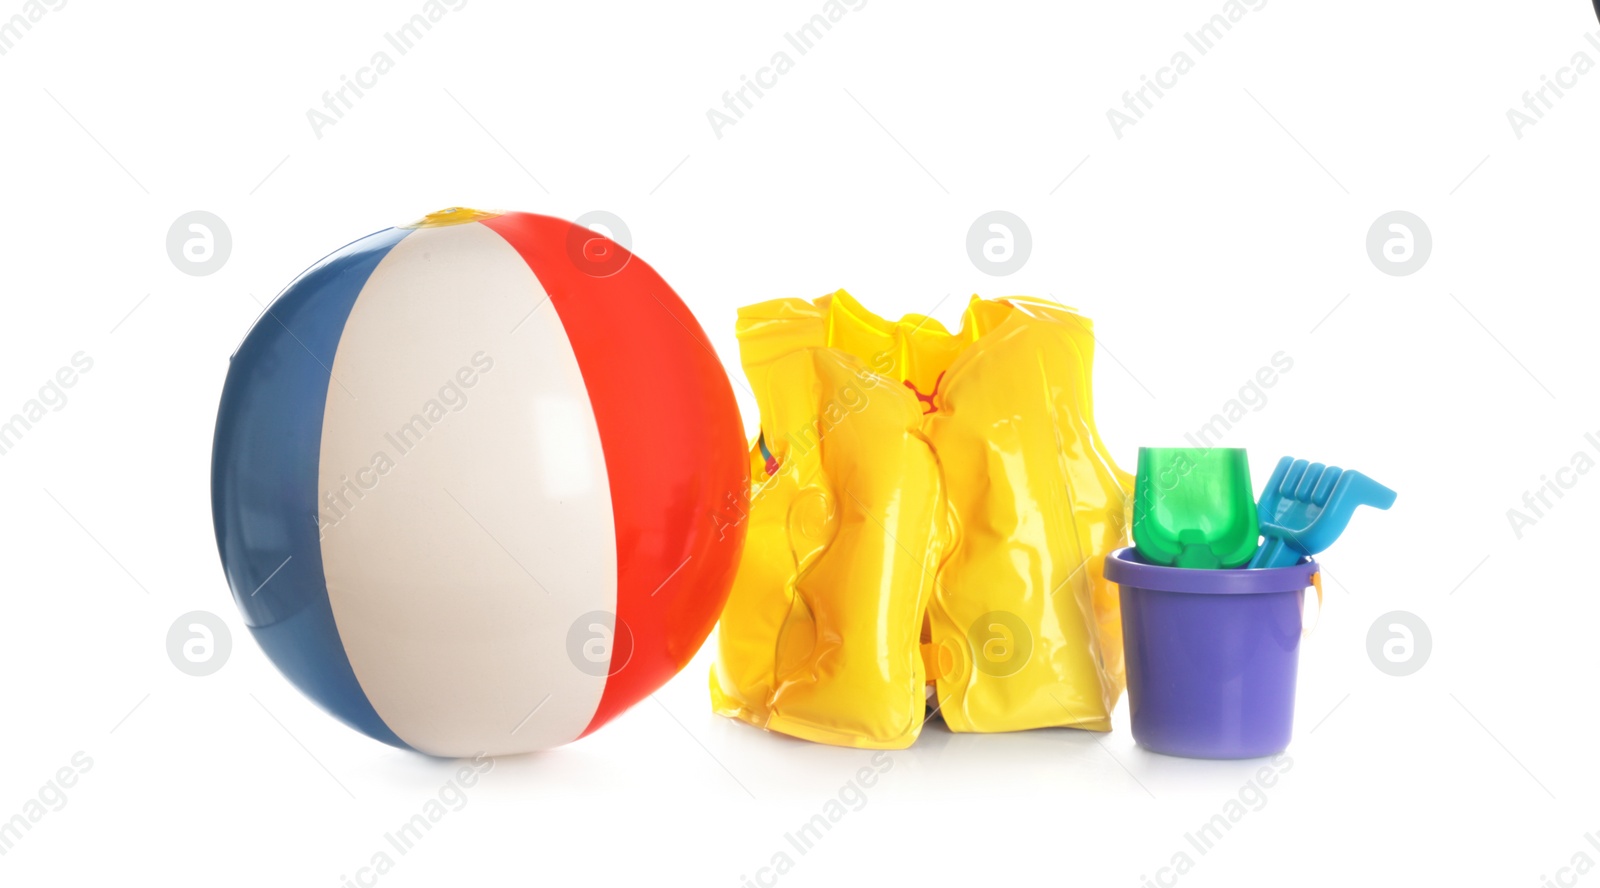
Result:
pixel 453 216
pixel 930 507
pixel 264 488
pixel 476 490
pixel 672 439
pixel 1212 655
pixel 1193 507
pixel 1306 506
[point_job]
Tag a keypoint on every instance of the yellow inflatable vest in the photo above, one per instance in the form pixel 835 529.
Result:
pixel 928 515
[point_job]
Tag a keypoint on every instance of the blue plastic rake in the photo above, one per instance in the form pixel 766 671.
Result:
pixel 1305 507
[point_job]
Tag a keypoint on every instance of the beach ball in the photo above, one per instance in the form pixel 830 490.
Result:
pixel 478 483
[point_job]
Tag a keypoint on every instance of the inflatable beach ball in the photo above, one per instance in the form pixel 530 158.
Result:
pixel 478 483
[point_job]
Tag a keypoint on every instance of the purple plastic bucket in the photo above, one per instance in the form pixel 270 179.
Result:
pixel 1211 654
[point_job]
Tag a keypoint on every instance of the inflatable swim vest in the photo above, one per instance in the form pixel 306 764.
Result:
pixel 928 515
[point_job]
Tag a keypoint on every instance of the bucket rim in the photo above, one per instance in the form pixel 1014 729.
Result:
pixel 1125 568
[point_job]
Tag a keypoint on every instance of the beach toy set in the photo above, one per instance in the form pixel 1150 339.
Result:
pixel 479 484
pixel 1212 594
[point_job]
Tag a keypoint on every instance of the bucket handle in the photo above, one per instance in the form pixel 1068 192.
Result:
pixel 1316 581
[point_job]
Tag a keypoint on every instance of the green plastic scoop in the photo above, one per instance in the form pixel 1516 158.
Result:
pixel 1194 507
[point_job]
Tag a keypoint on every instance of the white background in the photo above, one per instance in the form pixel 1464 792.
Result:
pixel 1227 225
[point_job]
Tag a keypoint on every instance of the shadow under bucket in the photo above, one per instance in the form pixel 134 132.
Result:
pixel 1211 655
